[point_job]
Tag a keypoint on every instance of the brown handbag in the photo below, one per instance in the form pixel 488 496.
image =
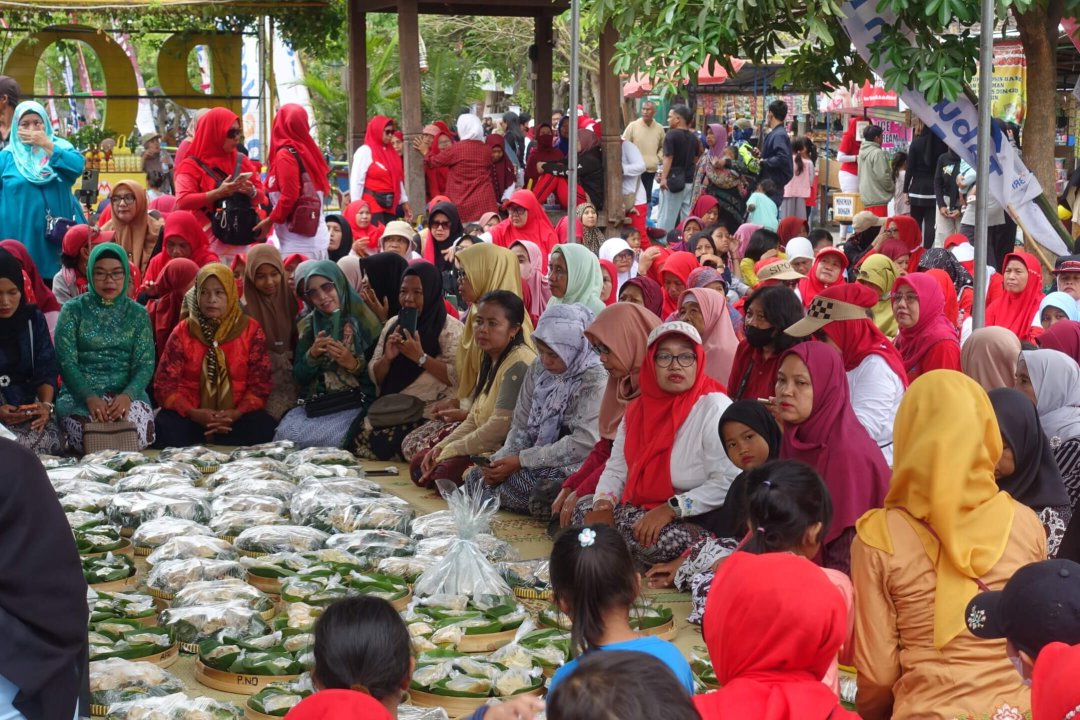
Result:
pixel 119 435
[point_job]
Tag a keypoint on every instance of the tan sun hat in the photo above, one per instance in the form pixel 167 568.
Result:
pixel 779 270
pixel 824 310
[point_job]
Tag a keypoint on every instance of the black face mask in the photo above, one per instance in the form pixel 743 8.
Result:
pixel 757 337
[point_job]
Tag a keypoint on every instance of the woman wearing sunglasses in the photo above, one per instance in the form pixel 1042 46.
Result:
pixel 668 462
pixel 210 173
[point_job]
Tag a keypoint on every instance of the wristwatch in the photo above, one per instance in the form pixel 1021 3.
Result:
pixel 422 359
pixel 673 503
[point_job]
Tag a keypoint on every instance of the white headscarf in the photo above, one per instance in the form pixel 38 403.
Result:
pixel 1056 379
pixel 799 248
pixel 612 247
pixel 469 127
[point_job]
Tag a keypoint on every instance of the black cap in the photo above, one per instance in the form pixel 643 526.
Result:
pixel 1039 605
pixel 10 89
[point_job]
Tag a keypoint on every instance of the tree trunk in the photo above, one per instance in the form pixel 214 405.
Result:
pixel 1038 29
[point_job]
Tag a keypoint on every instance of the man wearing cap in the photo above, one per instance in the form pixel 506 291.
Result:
pixel 9 98
pixel 157 164
pixel 876 184
pixel 1067 275
pixel 866 227
pixel 1040 604
pixel 397 238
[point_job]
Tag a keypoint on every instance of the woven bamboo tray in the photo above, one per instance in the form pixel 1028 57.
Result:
pixel 236 682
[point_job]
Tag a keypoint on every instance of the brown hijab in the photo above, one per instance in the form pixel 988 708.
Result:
pixel 989 357
pixel 277 314
pixel 140 237
pixel 624 329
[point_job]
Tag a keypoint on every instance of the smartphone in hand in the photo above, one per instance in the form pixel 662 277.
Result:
pixel 480 460
pixel 407 319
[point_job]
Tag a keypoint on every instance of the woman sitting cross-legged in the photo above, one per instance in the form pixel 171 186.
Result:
pixel 668 463
pixel 330 365
pixel 28 368
pixel 106 349
pixel 498 320
pixel 419 363
pixel 214 375
pixel 555 419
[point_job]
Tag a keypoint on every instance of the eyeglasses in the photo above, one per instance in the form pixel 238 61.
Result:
pixel 388 131
pixel 324 289
pixel 445 224
pixel 114 276
pixel 555 272
pixel 123 199
pixel 517 210
pixel 234 133
pixel 905 299
pixel 600 349
pixel 665 360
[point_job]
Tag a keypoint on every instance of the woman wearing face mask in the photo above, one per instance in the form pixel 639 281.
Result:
pixel 214 374
pixel 769 311
pixel 106 349
pixel 927 340
pixel 945 531
pixel 828 270
pixel 668 464
pixel 555 419
pixel 542 150
pixel 28 366
pixel 503 171
pixel 575 277
pixel 38 172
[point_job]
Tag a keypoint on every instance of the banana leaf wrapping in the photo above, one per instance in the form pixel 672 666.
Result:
pixel 322 456
pixel 254 468
pixel 195 624
pixel 248 503
pixel 155 533
pixel 186 547
pixel 279 698
pixel 118 460
pixel 170 576
pixel 175 707
pixel 280 488
pixel 116 680
pixel 123 606
pixel 97 538
pixel 83 471
pixel 280 538
pixel 277 450
pixel 234 522
pixel 216 592
pixel 126 639
pixel 130 510
pixel 107 568
pixel 374 544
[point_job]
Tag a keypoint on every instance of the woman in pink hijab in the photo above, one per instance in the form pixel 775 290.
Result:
pixel 535 289
pixel 707 311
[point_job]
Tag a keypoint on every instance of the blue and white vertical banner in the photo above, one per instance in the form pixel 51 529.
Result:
pixel 957 123
pixel 250 117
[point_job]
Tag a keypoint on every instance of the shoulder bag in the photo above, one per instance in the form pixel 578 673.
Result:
pixel 332 402
pixel 56 227
pixel 233 219
pixel 119 435
pixel 307 212
pixel 395 409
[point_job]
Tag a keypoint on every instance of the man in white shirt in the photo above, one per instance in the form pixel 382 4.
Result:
pixel 648 136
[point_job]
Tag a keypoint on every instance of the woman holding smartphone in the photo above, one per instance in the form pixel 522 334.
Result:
pixel 415 356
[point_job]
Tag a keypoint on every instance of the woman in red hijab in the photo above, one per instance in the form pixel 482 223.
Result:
pixel 183 238
pixel 291 149
pixel 772 670
pixel 668 463
pixel 503 172
pixel 527 221
pixel 216 137
pixel 37 292
pixel 611 282
pixel 827 271
pixel 905 229
pixel 927 340
pixel 1064 337
pixel 948 291
pixel 1018 308
pixel 543 150
pixel 377 174
pixel 71 281
pixel 175 280
pixel 435 177
pixel 365 232
pixel 644 291
pixel 676 278
pixel 791 227
pixel 814 404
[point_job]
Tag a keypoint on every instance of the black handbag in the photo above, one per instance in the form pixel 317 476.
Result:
pixel 384 199
pixel 233 219
pixel 56 227
pixel 333 402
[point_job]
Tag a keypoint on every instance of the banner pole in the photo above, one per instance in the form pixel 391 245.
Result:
pixel 982 171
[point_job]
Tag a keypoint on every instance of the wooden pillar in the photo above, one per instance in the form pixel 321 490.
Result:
pixel 544 40
pixel 411 116
pixel 358 76
pixel 612 128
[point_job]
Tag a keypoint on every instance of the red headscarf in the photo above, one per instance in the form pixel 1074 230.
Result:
pixel 1064 337
pixel 186 225
pixel 834 442
pixel 791 227
pixel 176 279
pixel 680 264
pixel 372 232
pixel 503 173
pixel 609 267
pixel 859 338
pixel 772 670
pixel 75 239
pixel 335 704
pixel 292 130
pixel 651 423
pixel 37 291
pixel 932 327
pixel 702 207
pixel 948 290
pixel 652 295
pixel 1053 688
pixel 436 176
pixel 210 135
pixel 810 286
pixel 383 153
pixel 908 232
pixel 239 262
pixel 543 152
pixel 1015 311
pixel 164 204
pixel 537 226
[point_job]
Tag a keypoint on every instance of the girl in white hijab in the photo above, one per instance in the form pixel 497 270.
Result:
pixel 619 253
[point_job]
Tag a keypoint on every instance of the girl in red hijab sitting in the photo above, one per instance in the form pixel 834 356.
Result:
pixel 927 339
pixel 828 270
pixel 1018 307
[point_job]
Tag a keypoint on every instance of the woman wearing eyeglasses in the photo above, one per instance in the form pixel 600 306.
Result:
pixel 377 174
pixel 37 173
pixel 105 345
pixel 335 337
pixel 668 462
pixel 135 230
pixel 210 173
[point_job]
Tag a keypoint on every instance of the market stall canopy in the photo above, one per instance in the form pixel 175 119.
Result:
pixel 639 85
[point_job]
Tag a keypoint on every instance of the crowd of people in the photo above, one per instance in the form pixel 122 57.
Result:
pixel 779 424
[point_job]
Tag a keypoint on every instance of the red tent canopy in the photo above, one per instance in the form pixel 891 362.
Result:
pixel 639 85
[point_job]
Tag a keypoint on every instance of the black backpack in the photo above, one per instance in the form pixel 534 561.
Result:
pixel 233 219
